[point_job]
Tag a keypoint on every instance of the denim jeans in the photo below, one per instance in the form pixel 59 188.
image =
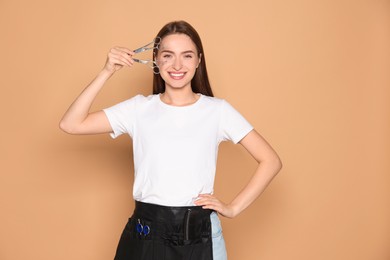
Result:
pixel 219 248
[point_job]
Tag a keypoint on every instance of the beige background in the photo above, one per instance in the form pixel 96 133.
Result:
pixel 311 76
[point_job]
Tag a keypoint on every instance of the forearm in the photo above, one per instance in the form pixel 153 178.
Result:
pixel 79 109
pixel 262 177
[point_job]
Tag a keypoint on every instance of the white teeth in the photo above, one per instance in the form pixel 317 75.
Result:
pixel 177 75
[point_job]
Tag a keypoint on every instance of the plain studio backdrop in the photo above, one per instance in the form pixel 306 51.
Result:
pixel 311 76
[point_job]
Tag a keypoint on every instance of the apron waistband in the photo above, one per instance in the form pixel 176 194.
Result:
pixel 177 225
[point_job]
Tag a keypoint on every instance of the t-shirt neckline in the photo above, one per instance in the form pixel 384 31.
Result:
pixel 179 107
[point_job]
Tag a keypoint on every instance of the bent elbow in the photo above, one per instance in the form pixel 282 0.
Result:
pixel 66 127
pixel 276 164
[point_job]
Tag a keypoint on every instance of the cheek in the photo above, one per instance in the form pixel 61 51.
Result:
pixel 160 63
pixel 163 74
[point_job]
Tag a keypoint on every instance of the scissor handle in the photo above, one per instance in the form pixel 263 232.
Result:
pixel 157 41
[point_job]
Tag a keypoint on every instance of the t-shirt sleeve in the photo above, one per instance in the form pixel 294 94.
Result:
pixel 122 117
pixel 233 125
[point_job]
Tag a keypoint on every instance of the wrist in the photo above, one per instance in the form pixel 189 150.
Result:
pixel 234 210
pixel 104 73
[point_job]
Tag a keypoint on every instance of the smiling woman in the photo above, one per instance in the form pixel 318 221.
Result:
pixel 189 36
pixel 178 60
pixel 176 133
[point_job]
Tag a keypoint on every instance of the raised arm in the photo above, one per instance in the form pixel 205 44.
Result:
pixel 269 166
pixel 78 119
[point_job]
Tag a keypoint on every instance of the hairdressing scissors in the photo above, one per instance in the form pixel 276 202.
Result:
pixel 154 45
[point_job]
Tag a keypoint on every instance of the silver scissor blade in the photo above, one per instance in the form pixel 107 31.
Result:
pixel 146 47
pixel 142 49
pixel 142 61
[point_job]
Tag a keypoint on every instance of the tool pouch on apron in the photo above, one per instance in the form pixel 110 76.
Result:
pixel 157 232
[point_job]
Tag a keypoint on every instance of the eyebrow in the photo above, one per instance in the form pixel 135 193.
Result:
pixel 184 52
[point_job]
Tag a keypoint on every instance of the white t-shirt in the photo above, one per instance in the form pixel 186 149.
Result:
pixel 175 148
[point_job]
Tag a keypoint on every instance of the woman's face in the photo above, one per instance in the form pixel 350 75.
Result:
pixel 177 59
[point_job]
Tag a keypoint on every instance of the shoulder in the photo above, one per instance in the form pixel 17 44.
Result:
pixel 219 103
pixel 214 101
pixel 141 99
pixel 144 99
pixel 133 103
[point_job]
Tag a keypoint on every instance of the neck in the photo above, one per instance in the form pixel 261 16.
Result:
pixel 179 97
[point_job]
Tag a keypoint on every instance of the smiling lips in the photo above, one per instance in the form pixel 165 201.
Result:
pixel 176 75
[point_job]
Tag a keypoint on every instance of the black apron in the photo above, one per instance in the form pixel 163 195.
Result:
pixel 157 232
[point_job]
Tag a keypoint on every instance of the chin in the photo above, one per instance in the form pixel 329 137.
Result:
pixel 177 86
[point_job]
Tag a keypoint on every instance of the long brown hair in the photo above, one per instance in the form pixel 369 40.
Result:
pixel 200 82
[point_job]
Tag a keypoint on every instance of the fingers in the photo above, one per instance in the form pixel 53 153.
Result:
pixel 209 202
pixel 126 50
pixel 117 58
pixel 121 56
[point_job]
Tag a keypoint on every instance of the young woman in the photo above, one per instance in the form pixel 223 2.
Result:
pixel 175 133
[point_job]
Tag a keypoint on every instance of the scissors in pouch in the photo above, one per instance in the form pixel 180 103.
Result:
pixel 149 62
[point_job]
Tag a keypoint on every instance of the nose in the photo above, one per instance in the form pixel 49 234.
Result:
pixel 177 64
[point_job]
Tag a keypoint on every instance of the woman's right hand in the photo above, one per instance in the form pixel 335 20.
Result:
pixel 117 58
pixel 78 119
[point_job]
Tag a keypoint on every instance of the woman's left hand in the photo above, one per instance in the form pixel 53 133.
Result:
pixel 208 201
